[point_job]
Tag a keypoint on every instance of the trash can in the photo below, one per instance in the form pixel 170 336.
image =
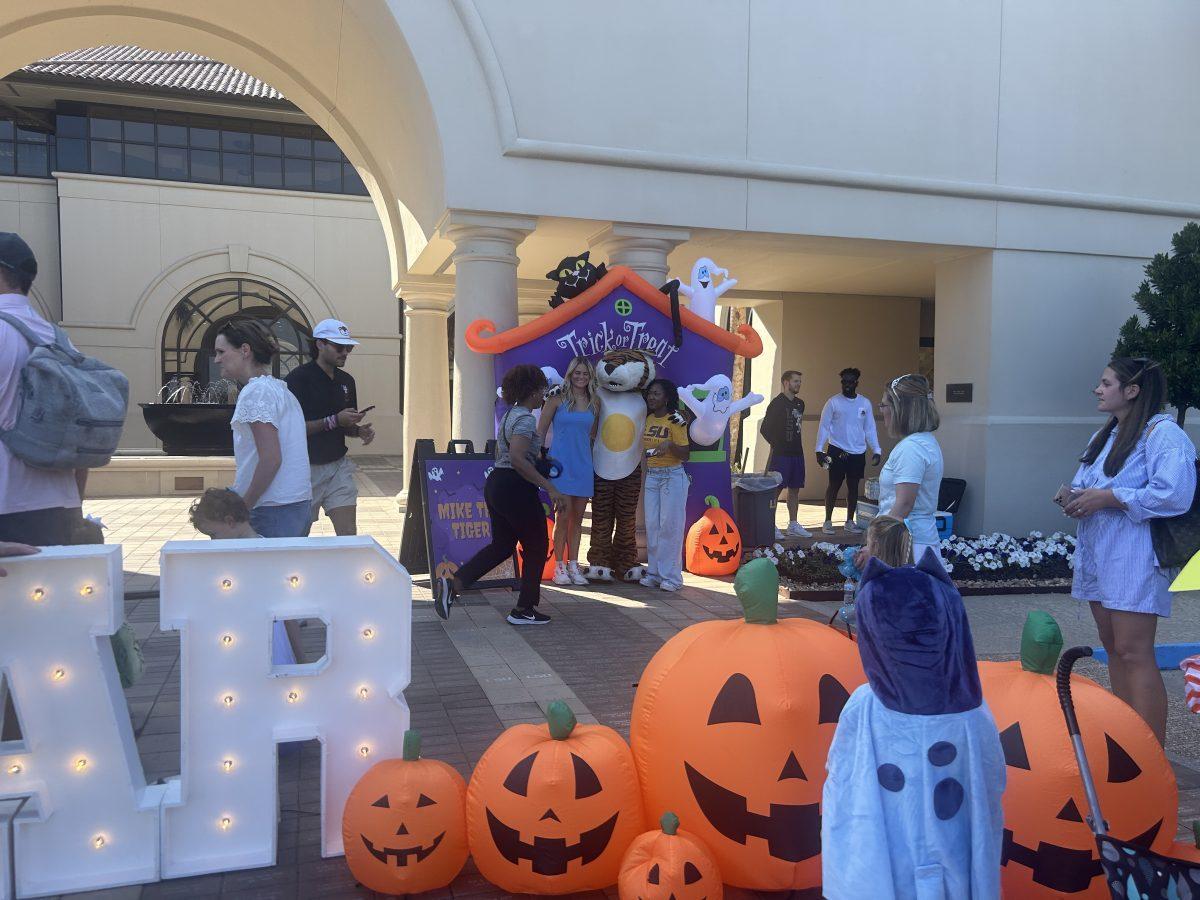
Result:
pixel 754 498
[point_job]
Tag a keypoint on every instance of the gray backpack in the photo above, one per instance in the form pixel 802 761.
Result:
pixel 71 408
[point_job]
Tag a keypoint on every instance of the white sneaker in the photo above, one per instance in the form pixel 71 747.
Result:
pixel 651 581
pixel 828 528
pixel 798 530
pixel 577 577
pixel 854 528
pixel 560 573
pixel 779 535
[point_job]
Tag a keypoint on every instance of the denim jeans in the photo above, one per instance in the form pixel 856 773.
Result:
pixel 666 504
pixel 288 520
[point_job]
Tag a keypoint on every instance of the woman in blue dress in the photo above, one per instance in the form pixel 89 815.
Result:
pixel 1139 466
pixel 574 413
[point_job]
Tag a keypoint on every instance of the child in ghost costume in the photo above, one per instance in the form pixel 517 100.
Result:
pixel 702 294
pixel 715 410
pixel 911 808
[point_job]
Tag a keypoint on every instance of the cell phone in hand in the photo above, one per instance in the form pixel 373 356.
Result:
pixel 363 412
pixel 1063 495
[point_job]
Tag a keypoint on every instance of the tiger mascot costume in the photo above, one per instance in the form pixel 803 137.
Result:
pixel 617 459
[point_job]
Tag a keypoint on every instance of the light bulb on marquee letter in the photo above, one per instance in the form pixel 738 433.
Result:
pixel 38 595
pixel 227 765
pixel 81 764
pixel 86 591
pixel 368 633
pixel 369 577
pixel 14 769
pixel 227 700
pixel 294 581
pixel 225 823
pixel 226 640
pixel 58 674
pixel 364 750
pixel 98 842
pixel 293 696
pixel 364 692
pixel 226 584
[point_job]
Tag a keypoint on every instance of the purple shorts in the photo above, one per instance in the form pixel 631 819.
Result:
pixel 790 467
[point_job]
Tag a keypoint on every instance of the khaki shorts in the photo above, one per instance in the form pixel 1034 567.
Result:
pixel 333 486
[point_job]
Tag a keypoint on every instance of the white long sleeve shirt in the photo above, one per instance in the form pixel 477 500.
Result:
pixel 848 424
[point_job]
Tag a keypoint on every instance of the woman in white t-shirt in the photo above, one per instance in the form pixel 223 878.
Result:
pixel 912 475
pixel 269 443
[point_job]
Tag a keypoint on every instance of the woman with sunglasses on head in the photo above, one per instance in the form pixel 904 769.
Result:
pixel 912 475
pixel 574 414
pixel 1139 466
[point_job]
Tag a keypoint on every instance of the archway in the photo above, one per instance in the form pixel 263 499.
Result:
pixel 348 67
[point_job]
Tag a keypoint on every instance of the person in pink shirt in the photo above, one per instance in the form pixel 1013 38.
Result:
pixel 37 506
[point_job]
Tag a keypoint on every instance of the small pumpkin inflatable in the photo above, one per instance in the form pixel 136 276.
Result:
pixel 1048 849
pixel 551 808
pixel 668 865
pixel 731 727
pixel 714 544
pixel 404 826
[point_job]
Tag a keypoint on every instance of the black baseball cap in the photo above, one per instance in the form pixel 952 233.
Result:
pixel 16 255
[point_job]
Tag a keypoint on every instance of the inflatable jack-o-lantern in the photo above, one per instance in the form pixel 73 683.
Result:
pixel 1049 850
pixel 714 544
pixel 404 826
pixel 668 865
pixel 552 808
pixel 731 728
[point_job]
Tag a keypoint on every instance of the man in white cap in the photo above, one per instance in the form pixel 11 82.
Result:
pixel 329 400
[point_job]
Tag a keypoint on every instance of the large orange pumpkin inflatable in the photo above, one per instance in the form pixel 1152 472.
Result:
pixel 552 808
pixel 404 826
pixel 668 864
pixel 731 727
pixel 714 544
pixel 1049 850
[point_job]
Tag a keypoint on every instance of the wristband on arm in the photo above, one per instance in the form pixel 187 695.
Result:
pixel 331 422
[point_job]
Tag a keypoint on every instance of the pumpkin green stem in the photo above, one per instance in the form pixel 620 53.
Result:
pixel 757 587
pixel 712 502
pixel 669 822
pixel 412 745
pixel 561 720
pixel 1041 643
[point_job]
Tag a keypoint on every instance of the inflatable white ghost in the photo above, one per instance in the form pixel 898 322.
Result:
pixel 701 293
pixel 715 410
pixel 552 378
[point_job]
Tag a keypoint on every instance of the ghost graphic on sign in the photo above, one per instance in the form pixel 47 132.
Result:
pixel 714 411
pixel 702 294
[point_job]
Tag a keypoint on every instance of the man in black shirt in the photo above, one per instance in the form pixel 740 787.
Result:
pixel 330 404
pixel 781 428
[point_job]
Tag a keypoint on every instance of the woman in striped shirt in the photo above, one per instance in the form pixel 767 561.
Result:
pixel 1139 466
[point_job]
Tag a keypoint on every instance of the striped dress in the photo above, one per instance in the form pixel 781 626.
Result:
pixel 1114 558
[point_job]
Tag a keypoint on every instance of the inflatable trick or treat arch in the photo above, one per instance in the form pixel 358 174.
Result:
pixel 624 312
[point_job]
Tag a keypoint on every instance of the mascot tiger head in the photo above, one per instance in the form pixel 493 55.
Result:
pixel 625 370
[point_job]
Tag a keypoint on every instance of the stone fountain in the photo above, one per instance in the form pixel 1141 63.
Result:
pixel 193 421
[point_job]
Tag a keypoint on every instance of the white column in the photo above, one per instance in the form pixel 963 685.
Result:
pixel 426 363
pixel 643 248
pixel 485 267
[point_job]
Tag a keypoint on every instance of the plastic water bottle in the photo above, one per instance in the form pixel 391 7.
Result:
pixel 846 613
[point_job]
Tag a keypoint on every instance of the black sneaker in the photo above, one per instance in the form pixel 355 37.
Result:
pixel 443 596
pixel 527 617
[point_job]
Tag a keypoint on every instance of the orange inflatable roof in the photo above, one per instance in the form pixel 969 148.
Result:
pixel 482 338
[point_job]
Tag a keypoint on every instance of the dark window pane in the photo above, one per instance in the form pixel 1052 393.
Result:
pixel 236 168
pixel 106 157
pixel 141 132
pixel 326 149
pixel 33 137
pixel 352 184
pixel 208 138
pixel 268 171
pixel 296 146
pixel 71 126
pixel 105 128
pixel 8 158
pixel 206 165
pixel 6 129
pixel 72 155
pixel 139 161
pixel 297 174
pixel 236 140
pixel 268 143
pixel 172 135
pixel 172 163
pixel 33 160
pixel 329 177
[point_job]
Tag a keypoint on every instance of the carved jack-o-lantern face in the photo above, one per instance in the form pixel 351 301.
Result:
pixel 731 727
pixel 551 810
pixel 1049 849
pixel 714 544
pixel 668 865
pixel 404 826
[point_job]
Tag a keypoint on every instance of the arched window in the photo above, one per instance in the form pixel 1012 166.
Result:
pixel 187 342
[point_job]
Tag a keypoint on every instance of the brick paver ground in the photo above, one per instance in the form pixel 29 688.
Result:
pixel 471 677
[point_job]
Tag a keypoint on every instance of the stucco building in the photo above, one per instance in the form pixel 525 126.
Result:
pixel 969 187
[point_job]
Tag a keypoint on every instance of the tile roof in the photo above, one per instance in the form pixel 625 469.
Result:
pixel 178 70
